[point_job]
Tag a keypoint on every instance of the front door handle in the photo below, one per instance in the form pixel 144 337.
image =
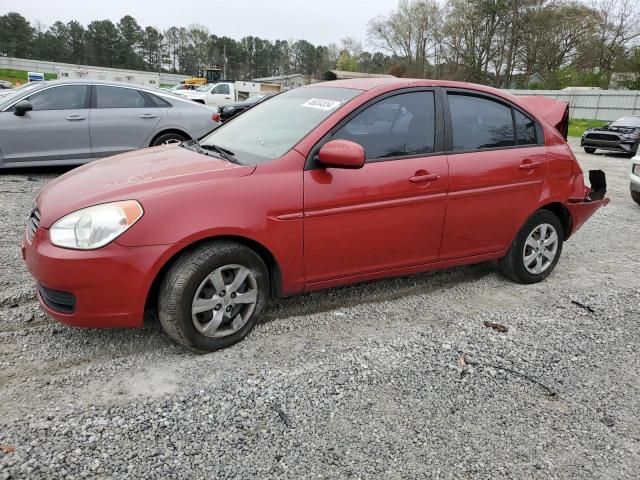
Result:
pixel 529 165
pixel 227 98
pixel 76 118
pixel 148 115
pixel 424 177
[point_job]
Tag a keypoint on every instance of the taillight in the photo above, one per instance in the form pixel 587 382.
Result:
pixel 215 117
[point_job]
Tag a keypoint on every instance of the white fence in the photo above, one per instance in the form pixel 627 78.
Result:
pixel 54 67
pixel 593 104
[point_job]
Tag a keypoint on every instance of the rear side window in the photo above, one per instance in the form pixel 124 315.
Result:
pixel 525 129
pixel 479 123
pixel 400 125
pixel 116 97
pixel 65 97
pixel 157 101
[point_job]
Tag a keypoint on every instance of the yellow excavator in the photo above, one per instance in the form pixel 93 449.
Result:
pixel 207 75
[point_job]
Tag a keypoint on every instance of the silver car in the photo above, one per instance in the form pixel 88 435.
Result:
pixel 77 121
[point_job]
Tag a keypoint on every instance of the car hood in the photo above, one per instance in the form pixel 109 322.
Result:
pixel 616 129
pixel 133 175
pixel 194 94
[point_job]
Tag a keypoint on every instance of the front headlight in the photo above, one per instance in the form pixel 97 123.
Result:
pixel 94 227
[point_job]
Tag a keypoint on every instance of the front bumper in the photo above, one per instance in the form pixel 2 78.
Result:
pixel 613 145
pixel 109 286
pixel 634 180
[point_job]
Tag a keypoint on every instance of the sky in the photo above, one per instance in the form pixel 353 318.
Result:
pixel 318 21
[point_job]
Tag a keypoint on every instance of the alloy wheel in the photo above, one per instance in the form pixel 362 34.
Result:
pixel 540 249
pixel 224 301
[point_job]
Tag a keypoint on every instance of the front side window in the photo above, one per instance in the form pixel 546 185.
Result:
pixel 270 129
pixel 117 97
pixel 222 89
pixel 397 126
pixel 64 97
pixel 478 123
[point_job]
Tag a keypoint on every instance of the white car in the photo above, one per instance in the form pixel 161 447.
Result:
pixel 634 178
pixel 213 94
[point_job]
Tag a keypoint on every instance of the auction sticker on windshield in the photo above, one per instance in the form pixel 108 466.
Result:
pixel 321 104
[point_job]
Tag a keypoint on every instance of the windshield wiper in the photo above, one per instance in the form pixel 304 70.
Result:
pixel 228 155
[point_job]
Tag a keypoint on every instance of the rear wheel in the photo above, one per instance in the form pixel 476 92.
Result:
pixel 589 149
pixel 212 295
pixel 635 196
pixel 535 250
pixel 168 139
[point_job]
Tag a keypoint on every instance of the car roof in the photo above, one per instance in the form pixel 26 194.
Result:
pixel 91 81
pixel 372 83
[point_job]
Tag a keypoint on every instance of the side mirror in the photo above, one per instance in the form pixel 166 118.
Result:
pixel 342 154
pixel 22 107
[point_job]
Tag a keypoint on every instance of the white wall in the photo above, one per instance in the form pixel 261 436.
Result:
pixel 51 67
pixel 593 104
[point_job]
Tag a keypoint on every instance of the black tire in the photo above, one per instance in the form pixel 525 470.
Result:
pixel 589 150
pixel 635 196
pixel 166 138
pixel 513 264
pixel 185 277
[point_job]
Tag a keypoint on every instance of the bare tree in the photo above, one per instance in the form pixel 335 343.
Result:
pixel 409 32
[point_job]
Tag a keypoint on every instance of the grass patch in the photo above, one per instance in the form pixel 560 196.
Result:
pixel 20 76
pixel 577 126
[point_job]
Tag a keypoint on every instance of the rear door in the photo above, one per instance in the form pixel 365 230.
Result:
pixel 56 129
pixel 122 119
pixel 388 214
pixel 497 166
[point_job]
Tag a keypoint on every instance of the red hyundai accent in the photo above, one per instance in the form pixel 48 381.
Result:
pixel 320 186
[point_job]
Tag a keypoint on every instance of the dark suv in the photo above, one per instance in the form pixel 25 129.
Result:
pixel 623 136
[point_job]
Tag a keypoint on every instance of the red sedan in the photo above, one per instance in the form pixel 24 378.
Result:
pixel 320 186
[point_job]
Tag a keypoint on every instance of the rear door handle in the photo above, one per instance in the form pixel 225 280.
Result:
pixel 529 166
pixel 76 118
pixel 427 177
pixel 227 98
pixel 148 115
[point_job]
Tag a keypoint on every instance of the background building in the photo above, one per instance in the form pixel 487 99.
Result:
pixel 287 81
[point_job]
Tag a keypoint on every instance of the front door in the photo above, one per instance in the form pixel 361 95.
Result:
pixel 220 95
pixel 496 173
pixel 122 119
pixel 56 129
pixel 390 213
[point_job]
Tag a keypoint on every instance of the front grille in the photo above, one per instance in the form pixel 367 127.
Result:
pixel 63 302
pixel 33 223
pixel 603 136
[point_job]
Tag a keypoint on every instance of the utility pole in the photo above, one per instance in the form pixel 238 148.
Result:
pixel 224 62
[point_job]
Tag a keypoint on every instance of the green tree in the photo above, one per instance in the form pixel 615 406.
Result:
pixel 102 40
pixel 129 42
pixel 16 35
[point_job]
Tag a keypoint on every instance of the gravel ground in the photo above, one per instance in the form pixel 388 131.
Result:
pixel 359 382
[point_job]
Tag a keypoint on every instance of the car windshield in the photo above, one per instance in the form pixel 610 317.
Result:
pixel 204 88
pixel 270 129
pixel 627 122
pixel 7 96
pixel 254 98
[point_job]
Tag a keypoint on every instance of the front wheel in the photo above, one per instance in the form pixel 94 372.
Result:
pixel 536 249
pixel 212 295
pixel 635 196
pixel 589 149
